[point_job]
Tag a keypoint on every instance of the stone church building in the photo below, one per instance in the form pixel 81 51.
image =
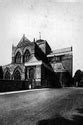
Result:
pixel 37 64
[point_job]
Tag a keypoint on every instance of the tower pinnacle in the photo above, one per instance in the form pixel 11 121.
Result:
pixel 39 35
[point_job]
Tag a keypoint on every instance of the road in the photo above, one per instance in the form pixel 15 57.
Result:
pixel 27 108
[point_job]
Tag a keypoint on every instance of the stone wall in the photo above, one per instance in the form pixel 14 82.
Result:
pixel 11 85
pixel 67 63
pixel 38 75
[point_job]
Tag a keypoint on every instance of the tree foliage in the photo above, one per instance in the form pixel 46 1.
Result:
pixel 77 76
pixel 1 72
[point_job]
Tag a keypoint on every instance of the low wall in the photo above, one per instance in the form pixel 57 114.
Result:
pixel 11 85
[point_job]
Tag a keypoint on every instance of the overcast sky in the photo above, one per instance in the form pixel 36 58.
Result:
pixel 59 21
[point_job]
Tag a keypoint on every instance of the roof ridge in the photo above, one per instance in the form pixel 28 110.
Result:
pixel 23 40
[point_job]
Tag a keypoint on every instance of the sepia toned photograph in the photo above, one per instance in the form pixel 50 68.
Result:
pixel 41 62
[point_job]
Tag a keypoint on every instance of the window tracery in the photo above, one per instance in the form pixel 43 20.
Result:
pixel 18 57
pixel 26 56
pixel 7 75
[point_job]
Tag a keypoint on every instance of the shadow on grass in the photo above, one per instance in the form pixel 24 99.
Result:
pixel 77 120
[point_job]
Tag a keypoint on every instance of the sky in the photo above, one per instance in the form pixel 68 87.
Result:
pixel 59 21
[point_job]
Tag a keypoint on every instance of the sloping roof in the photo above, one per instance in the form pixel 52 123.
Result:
pixel 33 61
pixel 11 66
pixel 23 42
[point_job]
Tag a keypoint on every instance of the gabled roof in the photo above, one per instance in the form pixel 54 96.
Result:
pixel 24 42
pixel 33 61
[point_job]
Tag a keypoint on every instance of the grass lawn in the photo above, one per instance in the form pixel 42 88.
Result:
pixel 42 107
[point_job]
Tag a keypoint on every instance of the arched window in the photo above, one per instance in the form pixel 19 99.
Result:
pixel 18 57
pixel 17 75
pixel 7 75
pixel 26 56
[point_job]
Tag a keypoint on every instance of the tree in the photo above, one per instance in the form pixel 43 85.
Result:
pixel 1 72
pixel 77 77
